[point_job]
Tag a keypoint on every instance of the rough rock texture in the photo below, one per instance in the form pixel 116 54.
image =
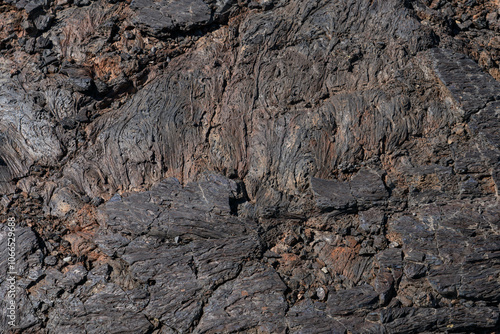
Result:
pixel 264 166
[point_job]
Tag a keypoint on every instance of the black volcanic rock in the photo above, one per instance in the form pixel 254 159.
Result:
pixel 332 194
pixel 251 166
pixel 163 16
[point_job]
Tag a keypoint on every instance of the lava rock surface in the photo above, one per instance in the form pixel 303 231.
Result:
pixel 264 166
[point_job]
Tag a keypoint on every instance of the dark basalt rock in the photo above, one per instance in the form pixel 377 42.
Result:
pixel 368 188
pixel 332 194
pixel 360 297
pixel 470 86
pixel 365 189
pixel 170 15
pixel 43 22
pixel 262 166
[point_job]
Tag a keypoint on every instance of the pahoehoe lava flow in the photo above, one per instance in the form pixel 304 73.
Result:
pixel 249 166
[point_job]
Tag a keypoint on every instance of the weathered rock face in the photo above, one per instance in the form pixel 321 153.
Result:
pixel 251 166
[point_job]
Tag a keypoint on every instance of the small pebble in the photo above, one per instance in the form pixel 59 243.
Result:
pixel 321 293
pixel 393 244
pixel 51 260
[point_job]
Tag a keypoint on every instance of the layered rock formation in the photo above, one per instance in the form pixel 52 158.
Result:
pixel 251 166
